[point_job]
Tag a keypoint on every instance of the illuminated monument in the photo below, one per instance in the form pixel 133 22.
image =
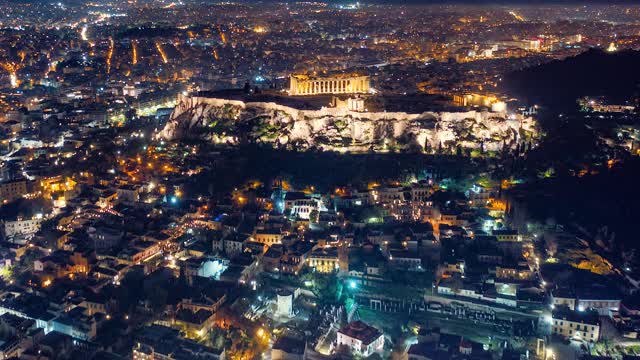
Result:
pixel 338 84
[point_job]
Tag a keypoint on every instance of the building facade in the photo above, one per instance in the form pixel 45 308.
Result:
pixel 340 84
pixel 361 339
pixel 577 325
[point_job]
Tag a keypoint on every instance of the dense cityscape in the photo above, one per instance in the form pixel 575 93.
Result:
pixel 318 180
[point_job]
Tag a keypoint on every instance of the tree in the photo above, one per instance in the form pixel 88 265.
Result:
pixel 314 216
pixel 327 288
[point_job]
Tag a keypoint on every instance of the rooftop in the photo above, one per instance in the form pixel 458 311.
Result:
pixel 361 331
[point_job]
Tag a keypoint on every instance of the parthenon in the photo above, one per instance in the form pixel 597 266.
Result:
pixel 340 84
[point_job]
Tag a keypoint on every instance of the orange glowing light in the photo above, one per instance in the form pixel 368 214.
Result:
pixel 163 55
pixel 110 54
pixel 134 50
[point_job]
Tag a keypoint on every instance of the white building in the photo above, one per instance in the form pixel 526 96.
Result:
pixel 361 338
pixel 599 298
pixel 300 205
pixel 22 226
pixel 576 325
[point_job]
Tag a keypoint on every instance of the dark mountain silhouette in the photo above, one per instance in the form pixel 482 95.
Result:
pixel 593 73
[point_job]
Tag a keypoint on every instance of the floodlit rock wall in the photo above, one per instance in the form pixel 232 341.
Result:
pixel 232 121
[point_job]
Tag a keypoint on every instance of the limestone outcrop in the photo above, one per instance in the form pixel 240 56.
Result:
pixel 231 121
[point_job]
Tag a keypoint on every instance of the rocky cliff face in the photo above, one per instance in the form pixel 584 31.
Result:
pixel 231 121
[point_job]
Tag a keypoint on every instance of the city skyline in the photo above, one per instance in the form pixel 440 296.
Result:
pixel 410 180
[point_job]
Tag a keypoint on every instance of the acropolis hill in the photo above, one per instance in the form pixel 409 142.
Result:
pixel 284 122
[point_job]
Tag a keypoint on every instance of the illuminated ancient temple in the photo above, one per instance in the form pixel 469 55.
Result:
pixel 338 84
